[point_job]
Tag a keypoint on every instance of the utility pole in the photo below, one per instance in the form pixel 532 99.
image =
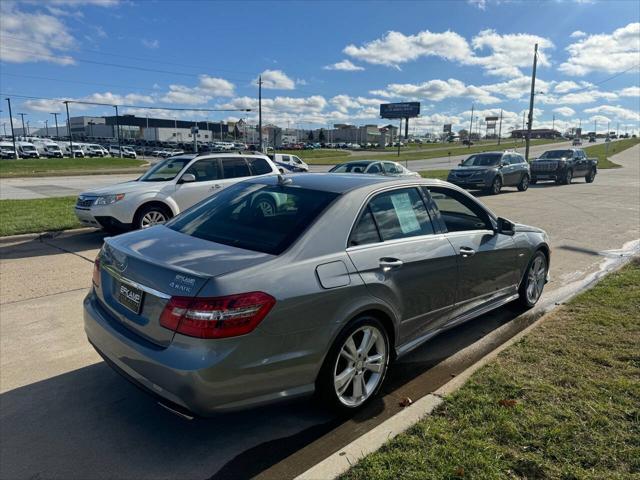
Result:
pixel 500 128
pixel 118 131
pixel 55 115
pixel 13 135
pixel 553 126
pixel 533 87
pixel 595 127
pixel 24 130
pixel 46 126
pixel 399 136
pixel 260 112
pixel 73 154
pixel 470 128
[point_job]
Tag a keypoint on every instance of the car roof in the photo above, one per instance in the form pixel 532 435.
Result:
pixel 365 162
pixel 341 182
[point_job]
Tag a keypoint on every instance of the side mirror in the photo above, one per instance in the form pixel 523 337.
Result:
pixel 505 227
pixel 188 178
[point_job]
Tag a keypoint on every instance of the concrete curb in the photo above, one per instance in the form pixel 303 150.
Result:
pixel 503 337
pixel 33 236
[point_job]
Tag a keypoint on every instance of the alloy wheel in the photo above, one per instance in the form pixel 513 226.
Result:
pixel 360 366
pixel 536 278
pixel 151 218
pixel 497 186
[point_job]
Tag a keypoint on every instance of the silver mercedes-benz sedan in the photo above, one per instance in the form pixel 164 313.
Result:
pixel 280 286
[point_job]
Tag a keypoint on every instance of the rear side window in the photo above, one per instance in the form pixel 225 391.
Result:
pixel 262 218
pixel 205 170
pixel 365 231
pixel 259 166
pixel 400 214
pixel 235 167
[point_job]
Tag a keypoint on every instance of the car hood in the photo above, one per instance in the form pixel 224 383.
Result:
pixel 126 187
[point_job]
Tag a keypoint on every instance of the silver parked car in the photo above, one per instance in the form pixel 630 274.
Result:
pixel 230 305
pixel 374 167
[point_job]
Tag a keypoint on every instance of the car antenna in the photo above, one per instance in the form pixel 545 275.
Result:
pixel 283 181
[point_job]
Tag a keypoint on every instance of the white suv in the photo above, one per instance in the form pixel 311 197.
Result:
pixel 166 189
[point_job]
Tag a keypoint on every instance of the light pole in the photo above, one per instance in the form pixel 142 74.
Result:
pixel 73 155
pixel 55 115
pixel 13 135
pixel 46 126
pixel 23 128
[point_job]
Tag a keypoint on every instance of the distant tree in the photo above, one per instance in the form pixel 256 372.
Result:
pixel 463 133
pixel 321 136
pixel 310 137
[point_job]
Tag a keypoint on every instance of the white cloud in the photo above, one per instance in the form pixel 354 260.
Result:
pixel 33 37
pixel 437 90
pixel 507 53
pixel 630 92
pixel 481 4
pixel 610 53
pixel 218 87
pixel 601 119
pixel 395 48
pixel 276 80
pixel 565 86
pixel 55 105
pixel 578 34
pixel 152 44
pixel 618 112
pixel 344 65
pixel 565 111
pixel 207 89
pixel 516 88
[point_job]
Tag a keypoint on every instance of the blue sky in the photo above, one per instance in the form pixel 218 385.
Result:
pixel 325 62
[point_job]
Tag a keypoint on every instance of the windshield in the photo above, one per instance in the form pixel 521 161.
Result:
pixel 165 170
pixel 557 154
pixel 482 160
pixel 350 168
pixel 258 217
pixel 28 147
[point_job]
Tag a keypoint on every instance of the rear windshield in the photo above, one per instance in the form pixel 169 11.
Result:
pixel 350 168
pixel 263 218
pixel 482 160
pixel 556 154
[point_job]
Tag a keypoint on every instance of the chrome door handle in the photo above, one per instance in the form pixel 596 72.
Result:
pixel 390 263
pixel 467 252
pixel 215 186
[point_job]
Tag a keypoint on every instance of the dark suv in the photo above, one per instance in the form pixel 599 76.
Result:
pixel 563 166
pixel 491 171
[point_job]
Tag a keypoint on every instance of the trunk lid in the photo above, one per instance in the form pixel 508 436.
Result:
pixel 141 271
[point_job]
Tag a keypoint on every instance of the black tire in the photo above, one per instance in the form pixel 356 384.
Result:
pixel 148 210
pixel 568 177
pixel 496 186
pixel 524 300
pixel 591 176
pixel 325 387
pixel 523 186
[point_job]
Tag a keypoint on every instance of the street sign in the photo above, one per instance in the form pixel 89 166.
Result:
pixel 447 127
pixel 400 110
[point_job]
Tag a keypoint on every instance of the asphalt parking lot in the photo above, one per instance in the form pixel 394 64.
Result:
pixel 65 414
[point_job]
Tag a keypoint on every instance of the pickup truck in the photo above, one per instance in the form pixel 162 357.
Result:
pixel 563 166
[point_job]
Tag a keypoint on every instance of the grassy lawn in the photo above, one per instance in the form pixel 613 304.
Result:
pixel 439 174
pixel 37 215
pixel 600 151
pixel 560 404
pixel 34 167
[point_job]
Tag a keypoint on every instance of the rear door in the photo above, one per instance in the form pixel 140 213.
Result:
pixel 510 172
pixel 487 261
pixel 207 173
pixel 403 261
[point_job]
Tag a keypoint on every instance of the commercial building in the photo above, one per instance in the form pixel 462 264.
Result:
pixel 536 133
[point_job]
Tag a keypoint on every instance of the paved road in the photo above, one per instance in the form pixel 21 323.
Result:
pixel 43 187
pixel 65 414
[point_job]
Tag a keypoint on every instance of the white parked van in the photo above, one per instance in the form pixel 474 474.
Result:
pixel 7 150
pixel 47 148
pixel 77 151
pixel 27 150
pixel 289 163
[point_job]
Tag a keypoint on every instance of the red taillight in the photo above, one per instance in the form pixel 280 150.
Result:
pixel 217 317
pixel 96 272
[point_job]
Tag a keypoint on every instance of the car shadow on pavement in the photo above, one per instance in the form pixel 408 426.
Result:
pixel 52 243
pixel 91 423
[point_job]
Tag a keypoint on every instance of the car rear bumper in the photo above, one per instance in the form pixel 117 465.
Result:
pixel 228 374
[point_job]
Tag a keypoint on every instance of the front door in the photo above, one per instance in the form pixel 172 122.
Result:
pixel 404 262
pixel 207 173
pixel 487 261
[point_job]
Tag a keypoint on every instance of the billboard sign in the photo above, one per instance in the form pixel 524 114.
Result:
pixel 400 110
pixel 491 119
pixel 447 128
